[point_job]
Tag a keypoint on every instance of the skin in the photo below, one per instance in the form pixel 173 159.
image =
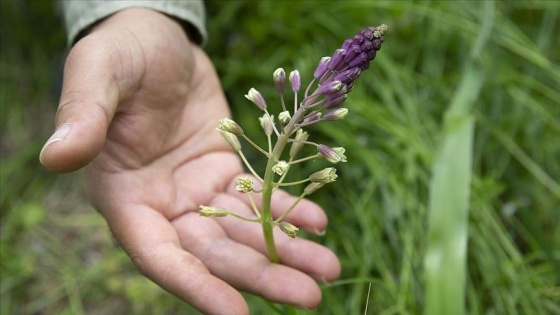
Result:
pixel 139 108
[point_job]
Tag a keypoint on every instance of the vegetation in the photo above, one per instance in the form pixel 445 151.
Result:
pixel 451 139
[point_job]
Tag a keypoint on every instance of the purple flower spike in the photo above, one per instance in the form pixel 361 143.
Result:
pixel 355 53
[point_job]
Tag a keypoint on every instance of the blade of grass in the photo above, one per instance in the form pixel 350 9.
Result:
pixel 446 255
pixel 445 259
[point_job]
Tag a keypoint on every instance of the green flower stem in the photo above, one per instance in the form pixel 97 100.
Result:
pixel 269 145
pixel 242 217
pixel 249 166
pixel 303 159
pixel 285 214
pixel 269 185
pixel 292 183
pixel 308 87
pixel 253 205
pixel 267 154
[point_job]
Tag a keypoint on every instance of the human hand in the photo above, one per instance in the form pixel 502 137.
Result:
pixel 139 106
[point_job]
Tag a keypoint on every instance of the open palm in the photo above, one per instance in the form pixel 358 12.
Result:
pixel 139 107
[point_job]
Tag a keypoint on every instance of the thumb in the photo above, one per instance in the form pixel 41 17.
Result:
pixel 87 104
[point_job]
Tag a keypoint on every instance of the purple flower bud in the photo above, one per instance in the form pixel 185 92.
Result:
pixel 364 66
pixel 295 80
pixel 336 114
pixel 371 54
pixel 330 87
pixel 367 34
pixel 356 62
pixel 337 59
pixel 350 86
pixel 335 102
pixel 358 39
pixel 366 46
pixel 279 78
pixel 313 117
pixel 352 53
pixel 377 44
pixel 330 154
pixel 347 44
pixel 257 99
pixel 322 67
pixel 348 76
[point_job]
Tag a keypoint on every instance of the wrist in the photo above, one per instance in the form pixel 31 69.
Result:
pixel 138 16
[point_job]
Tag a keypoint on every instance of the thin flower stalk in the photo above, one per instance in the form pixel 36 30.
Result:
pixel 328 90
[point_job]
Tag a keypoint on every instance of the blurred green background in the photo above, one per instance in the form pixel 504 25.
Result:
pixel 444 65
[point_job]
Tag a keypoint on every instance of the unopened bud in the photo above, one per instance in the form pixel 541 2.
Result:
pixel 281 167
pixel 337 60
pixel 267 122
pixel 257 98
pixel 349 75
pixel 335 114
pixel 295 80
pixel 333 155
pixel 322 67
pixel 279 78
pixel 231 139
pixel 327 175
pixel 312 187
pixel 312 118
pixel 229 125
pixel 244 184
pixel 297 145
pixel 288 229
pixel 206 211
pixel 329 88
pixel 380 31
pixel 336 101
pixel 284 117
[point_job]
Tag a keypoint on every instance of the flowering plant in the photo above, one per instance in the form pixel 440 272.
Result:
pixel 322 101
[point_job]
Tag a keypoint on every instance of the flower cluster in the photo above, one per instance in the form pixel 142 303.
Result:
pixel 333 79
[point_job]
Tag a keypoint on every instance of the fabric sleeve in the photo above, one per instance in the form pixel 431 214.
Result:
pixel 79 15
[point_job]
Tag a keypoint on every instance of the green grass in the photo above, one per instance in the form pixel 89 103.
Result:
pixel 452 136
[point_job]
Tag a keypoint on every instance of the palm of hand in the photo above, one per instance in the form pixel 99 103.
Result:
pixel 162 158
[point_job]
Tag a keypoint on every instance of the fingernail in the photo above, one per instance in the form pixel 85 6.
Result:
pixel 60 134
pixel 319 278
pixel 319 232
